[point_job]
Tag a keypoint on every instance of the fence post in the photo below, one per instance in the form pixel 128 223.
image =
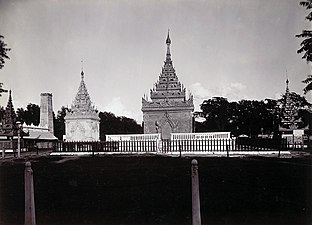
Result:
pixel 30 217
pixel 180 150
pixel 196 219
pixel 3 152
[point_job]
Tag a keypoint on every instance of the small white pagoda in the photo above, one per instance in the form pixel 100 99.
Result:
pixel 82 122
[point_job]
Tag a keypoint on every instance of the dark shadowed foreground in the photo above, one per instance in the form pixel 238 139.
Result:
pixel 157 190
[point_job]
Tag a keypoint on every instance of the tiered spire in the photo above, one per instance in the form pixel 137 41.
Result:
pixel 9 119
pixel 168 42
pixel 82 73
pixel 82 102
pixel 287 88
pixel 290 114
pixel 168 86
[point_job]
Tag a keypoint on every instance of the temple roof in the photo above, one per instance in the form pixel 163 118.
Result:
pixel 9 118
pixel 289 120
pixel 38 133
pixel 82 104
pixel 168 86
pixel 9 125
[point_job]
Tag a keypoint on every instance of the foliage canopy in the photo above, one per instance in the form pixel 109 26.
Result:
pixel 3 52
pixel 249 117
pixel 306 44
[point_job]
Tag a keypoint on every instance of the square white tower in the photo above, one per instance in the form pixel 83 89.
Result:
pixel 46 111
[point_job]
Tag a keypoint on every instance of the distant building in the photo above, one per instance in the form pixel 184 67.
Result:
pixel 290 120
pixel 42 137
pixel 291 125
pixel 9 126
pixel 169 110
pixel 82 122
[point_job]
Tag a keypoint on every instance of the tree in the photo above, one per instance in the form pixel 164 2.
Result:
pixel 2 110
pixel 218 113
pixel 3 52
pixel 31 115
pixel 243 117
pixel 308 82
pixel 3 55
pixel 306 44
pixel 257 117
pixel 2 90
pixel 110 124
pixel 59 123
pixel 250 117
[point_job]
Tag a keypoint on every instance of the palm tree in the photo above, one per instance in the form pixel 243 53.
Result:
pixel 308 81
pixel 306 44
pixel 3 52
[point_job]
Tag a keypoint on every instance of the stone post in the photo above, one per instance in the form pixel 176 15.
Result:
pixel 196 220
pixel 30 217
pixel 18 143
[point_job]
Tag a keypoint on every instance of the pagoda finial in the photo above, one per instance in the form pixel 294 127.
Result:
pixel 287 88
pixel 10 95
pixel 168 41
pixel 287 82
pixel 9 119
pixel 82 73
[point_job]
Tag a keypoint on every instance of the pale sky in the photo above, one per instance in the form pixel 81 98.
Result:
pixel 238 49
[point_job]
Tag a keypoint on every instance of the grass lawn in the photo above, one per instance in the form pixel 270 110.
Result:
pixel 157 190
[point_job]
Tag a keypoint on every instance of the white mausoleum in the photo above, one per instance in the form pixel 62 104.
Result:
pixel 82 122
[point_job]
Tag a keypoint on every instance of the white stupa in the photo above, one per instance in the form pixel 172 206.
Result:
pixel 82 122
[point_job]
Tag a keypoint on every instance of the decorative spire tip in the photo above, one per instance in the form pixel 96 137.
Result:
pixel 82 73
pixel 168 41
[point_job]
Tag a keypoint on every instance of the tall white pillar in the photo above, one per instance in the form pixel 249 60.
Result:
pixel 46 111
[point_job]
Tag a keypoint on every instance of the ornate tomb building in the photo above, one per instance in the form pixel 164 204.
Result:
pixel 291 126
pixel 82 122
pixel 168 111
pixel 289 119
pixel 9 122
